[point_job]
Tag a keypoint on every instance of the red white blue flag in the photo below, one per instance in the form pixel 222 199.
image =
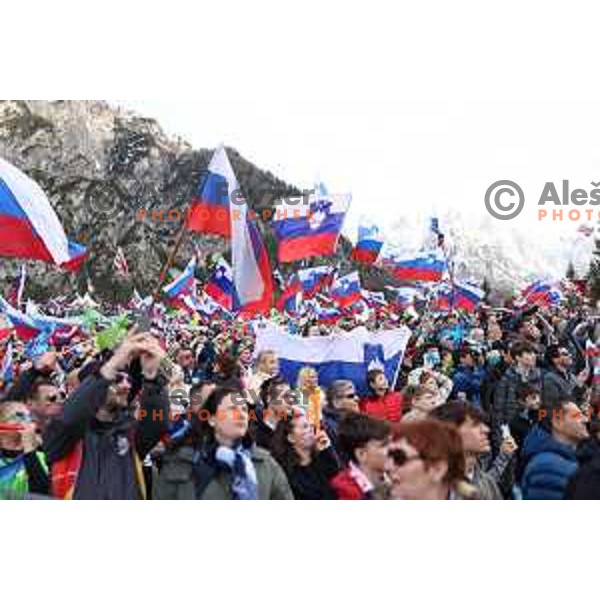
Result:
pixel 310 229
pixel 29 227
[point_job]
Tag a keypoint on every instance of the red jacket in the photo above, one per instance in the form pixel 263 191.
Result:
pixel 345 486
pixel 388 408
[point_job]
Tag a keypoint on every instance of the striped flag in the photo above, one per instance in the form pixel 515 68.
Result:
pixel 346 290
pixel 423 267
pixel 219 209
pixel 467 296
pixel 369 245
pixel 306 230
pixel 315 279
pixel 220 286
pixel 120 263
pixel 29 227
pixel 184 283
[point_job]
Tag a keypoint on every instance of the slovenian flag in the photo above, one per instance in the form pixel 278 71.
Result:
pixel 467 296
pixel 348 355
pixel 184 284
pixel 220 286
pixel 421 268
pixel 368 246
pixel 29 227
pixel 541 294
pixel 314 280
pixel 346 290
pixel 221 210
pixel 313 229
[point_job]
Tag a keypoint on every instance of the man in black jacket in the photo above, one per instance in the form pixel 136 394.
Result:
pixel 96 446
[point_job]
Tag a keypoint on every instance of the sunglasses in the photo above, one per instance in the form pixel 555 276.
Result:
pixel 400 457
pixel 348 396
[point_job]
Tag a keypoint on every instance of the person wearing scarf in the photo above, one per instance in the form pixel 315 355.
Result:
pixel 219 460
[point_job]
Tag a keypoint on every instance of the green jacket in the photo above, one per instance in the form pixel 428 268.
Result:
pixel 175 481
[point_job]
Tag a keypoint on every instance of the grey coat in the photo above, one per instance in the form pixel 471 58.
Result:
pixel 176 480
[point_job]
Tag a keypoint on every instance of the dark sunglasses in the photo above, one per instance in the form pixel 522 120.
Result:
pixel 348 396
pixel 400 457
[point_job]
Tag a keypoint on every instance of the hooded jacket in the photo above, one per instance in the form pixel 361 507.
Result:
pixel 547 466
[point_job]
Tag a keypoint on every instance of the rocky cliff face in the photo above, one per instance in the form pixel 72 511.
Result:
pixel 99 166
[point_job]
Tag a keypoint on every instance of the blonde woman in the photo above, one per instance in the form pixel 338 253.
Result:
pixel 267 367
pixel 313 397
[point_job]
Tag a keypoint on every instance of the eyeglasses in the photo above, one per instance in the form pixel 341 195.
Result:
pixel 400 457
pixel 352 396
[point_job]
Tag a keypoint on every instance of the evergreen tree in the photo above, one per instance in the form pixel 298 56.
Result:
pixel 570 275
pixel 594 273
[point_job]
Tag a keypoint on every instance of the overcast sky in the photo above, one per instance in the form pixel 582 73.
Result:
pixel 414 110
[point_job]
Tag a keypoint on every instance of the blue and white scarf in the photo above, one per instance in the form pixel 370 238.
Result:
pixel 243 474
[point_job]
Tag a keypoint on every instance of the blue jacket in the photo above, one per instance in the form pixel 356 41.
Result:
pixel 548 466
pixel 468 380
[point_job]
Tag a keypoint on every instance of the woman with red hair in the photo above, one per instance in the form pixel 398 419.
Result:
pixel 427 462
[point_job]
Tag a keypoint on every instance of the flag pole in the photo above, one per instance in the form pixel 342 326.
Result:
pixel 169 261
